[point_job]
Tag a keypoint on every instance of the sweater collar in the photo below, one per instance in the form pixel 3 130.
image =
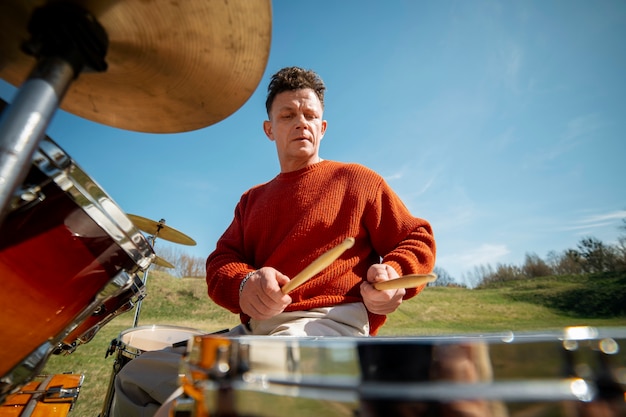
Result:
pixel 300 172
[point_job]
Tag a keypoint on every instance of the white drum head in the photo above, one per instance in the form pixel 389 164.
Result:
pixel 156 337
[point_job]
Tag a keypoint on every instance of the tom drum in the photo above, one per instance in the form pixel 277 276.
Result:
pixel 66 248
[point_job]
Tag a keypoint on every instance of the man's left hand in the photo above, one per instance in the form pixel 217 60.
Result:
pixel 377 301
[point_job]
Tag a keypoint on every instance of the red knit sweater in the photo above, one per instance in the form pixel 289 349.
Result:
pixel 290 221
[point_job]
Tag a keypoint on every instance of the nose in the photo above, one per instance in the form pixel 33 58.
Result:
pixel 301 122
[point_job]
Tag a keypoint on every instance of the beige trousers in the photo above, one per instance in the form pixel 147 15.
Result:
pixel 151 379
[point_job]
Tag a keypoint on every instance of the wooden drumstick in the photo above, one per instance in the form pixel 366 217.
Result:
pixel 317 265
pixel 406 281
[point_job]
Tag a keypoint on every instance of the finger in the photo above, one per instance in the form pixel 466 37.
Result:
pixel 391 272
pixel 252 311
pixel 272 300
pixel 376 273
pixel 262 311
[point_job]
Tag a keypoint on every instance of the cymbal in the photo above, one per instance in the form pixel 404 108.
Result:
pixel 173 66
pixel 160 229
pixel 162 262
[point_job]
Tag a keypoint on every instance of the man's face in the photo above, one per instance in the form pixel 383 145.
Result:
pixel 297 128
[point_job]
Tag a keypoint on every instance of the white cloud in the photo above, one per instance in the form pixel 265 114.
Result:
pixel 483 255
pixel 457 264
pixel 613 215
pixel 594 221
pixel 411 185
pixel 576 131
pixel 582 126
pixel 396 176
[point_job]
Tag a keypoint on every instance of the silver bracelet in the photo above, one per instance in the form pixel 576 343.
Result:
pixel 244 280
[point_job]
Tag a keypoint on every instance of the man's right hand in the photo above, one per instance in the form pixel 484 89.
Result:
pixel 261 297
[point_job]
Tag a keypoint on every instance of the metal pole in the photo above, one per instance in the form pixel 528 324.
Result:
pixel 24 122
pixel 145 281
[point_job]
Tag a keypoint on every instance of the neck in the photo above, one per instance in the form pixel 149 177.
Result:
pixel 295 166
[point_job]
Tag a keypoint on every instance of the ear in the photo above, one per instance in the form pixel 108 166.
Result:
pixel 324 125
pixel 267 128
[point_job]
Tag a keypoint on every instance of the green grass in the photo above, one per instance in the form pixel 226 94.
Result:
pixel 515 305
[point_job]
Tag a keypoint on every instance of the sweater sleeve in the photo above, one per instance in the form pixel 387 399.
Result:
pixel 226 268
pixel 406 243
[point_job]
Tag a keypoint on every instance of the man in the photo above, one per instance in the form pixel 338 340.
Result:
pixel 281 227
pixel 312 205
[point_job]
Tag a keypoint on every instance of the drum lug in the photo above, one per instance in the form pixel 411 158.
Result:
pixel 112 348
pixel 100 311
pixel 26 198
pixel 64 348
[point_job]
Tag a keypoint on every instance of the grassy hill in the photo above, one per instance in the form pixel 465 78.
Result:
pixel 538 304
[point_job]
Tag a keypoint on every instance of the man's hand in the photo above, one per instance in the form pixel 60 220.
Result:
pixel 261 297
pixel 376 301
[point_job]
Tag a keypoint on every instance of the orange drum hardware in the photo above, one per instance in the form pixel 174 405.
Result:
pixel 44 396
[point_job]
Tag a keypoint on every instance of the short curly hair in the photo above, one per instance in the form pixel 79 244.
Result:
pixel 293 78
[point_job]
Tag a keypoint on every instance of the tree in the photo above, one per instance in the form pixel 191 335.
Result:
pixel 506 272
pixel 566 263
pixel 620 249
pixel 443 279
pixel 184 265
pixel 191 266
pixel 535 267
pixel 595 255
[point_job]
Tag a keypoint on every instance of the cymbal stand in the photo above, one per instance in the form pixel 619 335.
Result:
pixel 65 40
pixel 152 240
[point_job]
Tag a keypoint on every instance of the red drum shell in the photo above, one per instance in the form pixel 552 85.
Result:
pixel 62 253
pixel 53 261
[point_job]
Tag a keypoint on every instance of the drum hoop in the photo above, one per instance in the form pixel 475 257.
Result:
pixel 127 349
pixel 130 352
pixel 134 285
pixel 94 201
pixel 160 326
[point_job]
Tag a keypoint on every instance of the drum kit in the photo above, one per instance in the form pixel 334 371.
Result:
pixel 71 259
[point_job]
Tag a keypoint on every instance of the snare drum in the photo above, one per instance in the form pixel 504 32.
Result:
pixel 44 396
pixel 133 342
pixel 65 249
pixel 576 372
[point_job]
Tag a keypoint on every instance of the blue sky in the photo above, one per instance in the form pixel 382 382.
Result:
pixel 502 123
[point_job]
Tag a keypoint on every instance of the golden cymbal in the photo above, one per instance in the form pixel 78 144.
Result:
pixel 173 66
pixel 162 262
pixel 160 229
